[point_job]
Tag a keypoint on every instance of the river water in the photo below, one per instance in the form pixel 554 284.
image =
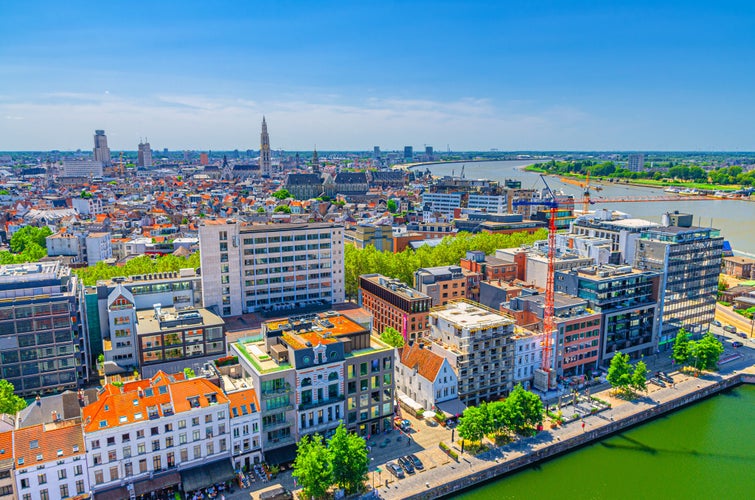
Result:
pixel 735 218
pixel 703 451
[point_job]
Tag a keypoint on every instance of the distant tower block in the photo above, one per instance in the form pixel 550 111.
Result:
pixel 315 162
pixel 266 166
pixel 636 162
pixel 144 155
pixel 408 153
pixel 101 151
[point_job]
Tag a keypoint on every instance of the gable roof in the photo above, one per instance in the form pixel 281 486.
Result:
pixel 50 442
pixel 243 403
pixel 428 363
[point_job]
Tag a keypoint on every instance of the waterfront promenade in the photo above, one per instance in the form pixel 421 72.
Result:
pixel 447 476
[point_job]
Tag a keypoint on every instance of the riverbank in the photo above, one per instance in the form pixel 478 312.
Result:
pixel 409 166
pixel 451 478
pixel 648 183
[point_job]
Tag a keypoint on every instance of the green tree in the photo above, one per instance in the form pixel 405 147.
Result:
pixel 28 235
pixel 474 423
pixel 282 209
pixel 392 337
pixel 499 415
pixel 282 194
pixel 189 373
pixel 9 402
pixel 639 377
pixel 680 352
pixel 706 352
pixel 525 409
pixel 619 374
pixel 260 210
pixel 348 453
pixel 313 469
pixel 392 206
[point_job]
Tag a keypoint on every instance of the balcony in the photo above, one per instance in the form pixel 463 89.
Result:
pixel 323 402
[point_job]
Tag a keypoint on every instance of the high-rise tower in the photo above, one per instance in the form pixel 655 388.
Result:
pixel 101 151
pixel 266 167
pixel 144 155
pixel 315 162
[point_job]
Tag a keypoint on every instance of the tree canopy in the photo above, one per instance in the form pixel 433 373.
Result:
pixel 706 352
pixel 282 209
pixel 282 194
pixel 623 377
pixel 403 265
pixel 143 264
pixel 520 411
pixel 392 337
pixel 680 352
pixel 9 402
pixel 312 467
pixel 348 456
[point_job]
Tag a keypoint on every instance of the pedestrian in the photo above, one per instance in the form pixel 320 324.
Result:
pixel 583 425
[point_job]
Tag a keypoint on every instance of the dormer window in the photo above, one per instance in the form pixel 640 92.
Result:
pixel 103 423
pixel 39 457
pixel 33 445
pixel 75 448
pixel 212 397
pixel 136 402
pixel 20 461
pixel 60 453
pixel 193 401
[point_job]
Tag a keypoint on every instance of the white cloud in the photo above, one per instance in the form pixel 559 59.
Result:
pixel 66 120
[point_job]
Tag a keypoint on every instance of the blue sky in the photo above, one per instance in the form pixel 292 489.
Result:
pixel 512 75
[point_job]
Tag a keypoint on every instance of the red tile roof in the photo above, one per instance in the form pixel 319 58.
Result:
pixel 50 442
pixel 428 363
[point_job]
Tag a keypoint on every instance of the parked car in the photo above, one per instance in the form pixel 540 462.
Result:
pixel 737 343
pixel 406 464
pixel 395 470
pixel 416 461
pixel 742 334
pixel 715 322
pixel 730 329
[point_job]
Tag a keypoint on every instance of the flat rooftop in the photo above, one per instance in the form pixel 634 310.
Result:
pixel 466 314
pixel 173 319
pixel 395 286
pixel 305 331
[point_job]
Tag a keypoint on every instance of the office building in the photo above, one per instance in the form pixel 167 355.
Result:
pixel 446 283
pixel 101 151
pixel 478 344
pixel 266 166
pixel 491 203
pixel 689 261
pixel 144 155
pixel 43 348
pixel 623 232
pixel 489 268
pixel 394 304
pixel 362 235
pixel 83 169
pixel 532 263
pixel 268 268
pixel 628 301
pixel 408 153
pixel 85 247
pixel 636 162
pixel 443 203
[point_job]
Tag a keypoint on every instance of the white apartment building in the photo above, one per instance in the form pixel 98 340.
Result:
pixel 425 376
pixel 88 248
pixel 477 341
pixel 82 168
pixel 528 355
pixel 275 267
pixel 87 206
pixel 50 461
pixel 153 434
pixel 246 425
pixel 444 203
pixel 495 204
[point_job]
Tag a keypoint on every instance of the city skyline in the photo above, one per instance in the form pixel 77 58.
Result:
pixel 633 76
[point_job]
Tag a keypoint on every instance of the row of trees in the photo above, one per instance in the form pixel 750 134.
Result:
pixel 624 378
pixel 703 354
pixel 143 264
pixel 402 265
pixel 26 245
pixel 694 173
pixel 342 461
pixel 520 411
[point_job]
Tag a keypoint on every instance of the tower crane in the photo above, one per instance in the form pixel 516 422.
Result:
pixel 545 378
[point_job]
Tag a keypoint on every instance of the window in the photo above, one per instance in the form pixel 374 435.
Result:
pixel 97 459
pixel 142 465
pixel 98 477
pixel 157 462
pixel 210 448
pixel 78 470
pixel 126 452
pixel 197 451
pixel 44 495
pixel 195 436
pixel 61 474
pixel 80 487
pixel 128 469
pixel 114 473
pixel 24 483
pixel 141 449
pixel 112 456
pixel 156 445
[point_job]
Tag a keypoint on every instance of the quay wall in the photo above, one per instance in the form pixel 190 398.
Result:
pixel 498 470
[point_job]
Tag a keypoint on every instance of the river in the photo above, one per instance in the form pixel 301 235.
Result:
pixel 706 450
pixel 735 218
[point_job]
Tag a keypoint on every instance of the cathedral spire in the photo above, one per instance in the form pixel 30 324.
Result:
pixel 265 161
pixel 315 162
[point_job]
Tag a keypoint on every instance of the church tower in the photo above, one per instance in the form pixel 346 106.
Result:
pixel 266 167
pixel 315 162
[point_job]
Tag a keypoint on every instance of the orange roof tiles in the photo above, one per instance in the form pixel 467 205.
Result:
pixel 428 363
pixel 243 398
pixel 50 442
pixel 136 399
pixel 6 445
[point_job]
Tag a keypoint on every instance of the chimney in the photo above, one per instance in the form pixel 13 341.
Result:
pixel 39 400
pixel 55 417
pixel 157 311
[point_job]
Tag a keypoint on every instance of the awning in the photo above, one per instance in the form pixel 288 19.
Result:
pixel 282 455
pixel 114 494
pixel 452 407
pixel 429 415
pixel 157 483
pixel 207 475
